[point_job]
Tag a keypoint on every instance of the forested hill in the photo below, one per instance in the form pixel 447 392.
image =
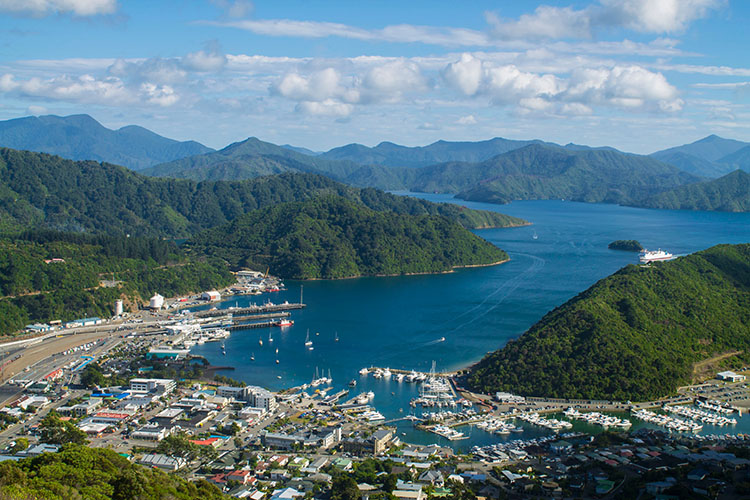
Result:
pixel 730 193
pixel 544 172
pixel 40 190
pixel 85 473
pixel 330 237
pixel 80 137
pixel 33 290
pixel 635 335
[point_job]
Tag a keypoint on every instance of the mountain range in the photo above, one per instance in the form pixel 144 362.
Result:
pixel 497 170
pixel 80 137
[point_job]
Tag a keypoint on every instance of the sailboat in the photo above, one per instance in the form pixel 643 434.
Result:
pixel 336 338
pixel 260 340
pixel 270 338
pixel 252 356
pixel 277 355
pixel 534 236
pixel 223 349
pixel 308 342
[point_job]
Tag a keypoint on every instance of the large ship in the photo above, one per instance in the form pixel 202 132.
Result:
pixel 654 255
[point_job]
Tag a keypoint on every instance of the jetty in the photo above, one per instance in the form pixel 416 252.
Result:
pixel 250 310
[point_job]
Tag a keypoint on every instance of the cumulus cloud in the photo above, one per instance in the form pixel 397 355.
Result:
pixel 328 92
pixel 210 60
pixel 88 89
pixel 626 86
pixel 646 16
pixel 467 120
pixel 155 69
pixel 41 8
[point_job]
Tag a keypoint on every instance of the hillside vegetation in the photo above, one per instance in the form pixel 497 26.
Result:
pixel 40 190
pixel 730 193
pixel 635 335
pixel 330 237
pixel 32 290
pixel 92 474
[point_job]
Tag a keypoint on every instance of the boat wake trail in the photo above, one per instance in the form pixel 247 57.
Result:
pixel 510 286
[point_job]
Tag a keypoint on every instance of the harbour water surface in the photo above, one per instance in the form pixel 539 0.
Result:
pixel 399 322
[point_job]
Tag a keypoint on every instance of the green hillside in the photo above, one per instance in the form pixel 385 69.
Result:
pixel 40 190
pixel 634 335
pixel 33 291
pixel 543 172
pixel 85 473
pixel 330 237
pixel 730 193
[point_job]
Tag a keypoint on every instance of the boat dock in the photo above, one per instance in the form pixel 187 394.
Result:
pixel 266 308
pixel 252 326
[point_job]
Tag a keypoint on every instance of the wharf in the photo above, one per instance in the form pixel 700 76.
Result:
pixel 275 315
pixel 249 310
pixel 252 326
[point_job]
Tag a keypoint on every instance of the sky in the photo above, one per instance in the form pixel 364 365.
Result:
pixel 638 75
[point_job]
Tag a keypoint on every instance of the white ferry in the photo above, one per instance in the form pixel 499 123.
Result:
pixel 647 256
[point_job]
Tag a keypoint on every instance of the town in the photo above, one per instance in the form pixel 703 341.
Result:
pixel 130 384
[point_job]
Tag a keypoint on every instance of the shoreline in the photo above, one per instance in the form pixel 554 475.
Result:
pixel 451 270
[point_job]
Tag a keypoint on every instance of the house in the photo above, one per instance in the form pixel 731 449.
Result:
pixel 316 466
pixel 286 494
pixel 432 477
pixel 408 491
pixel 342 464
pixel 162 462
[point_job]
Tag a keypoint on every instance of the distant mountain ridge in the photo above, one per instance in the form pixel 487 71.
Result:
pixel 730 193
pixel 712 156
pixel 81 137
pixel 394 155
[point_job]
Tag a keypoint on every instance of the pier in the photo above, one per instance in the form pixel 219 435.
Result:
pixel 252 326
pixel 251 310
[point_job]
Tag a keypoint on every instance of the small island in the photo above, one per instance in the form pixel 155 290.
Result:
pixel 626 245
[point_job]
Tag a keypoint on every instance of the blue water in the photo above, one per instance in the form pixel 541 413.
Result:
pixel 397 321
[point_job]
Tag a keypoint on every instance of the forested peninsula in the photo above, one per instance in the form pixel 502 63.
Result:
pixel 635 335
pixel 331 237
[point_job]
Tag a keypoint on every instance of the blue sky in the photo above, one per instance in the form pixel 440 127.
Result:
pixel 639 75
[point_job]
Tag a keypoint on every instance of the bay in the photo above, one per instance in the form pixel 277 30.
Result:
pixel 399 322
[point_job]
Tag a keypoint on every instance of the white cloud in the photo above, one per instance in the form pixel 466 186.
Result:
pixel 467 120
pixel 628 87
pixel 41 8
pixel 37 110
pixel 319 92
pixel 646 16
pixel 155 69
pixel 327 107
pixel 210 60
pixel 87 89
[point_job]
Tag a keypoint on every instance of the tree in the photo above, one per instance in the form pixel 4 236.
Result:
pixel 390 483
pixel 344 487
pixel 178 445
pixel 57 431
pixel 21 444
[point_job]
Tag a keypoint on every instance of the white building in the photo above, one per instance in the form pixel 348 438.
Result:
pixel 730 376
pixel 211 296
pixel 159 385
pixel 254 396
pixel 156 302
pixel 162 462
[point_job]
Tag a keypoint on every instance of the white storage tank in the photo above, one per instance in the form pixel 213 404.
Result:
pixel 118 308
pixel 156 302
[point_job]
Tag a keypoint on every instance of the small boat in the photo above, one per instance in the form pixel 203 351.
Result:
pixel 270 338
pixel 277 351
pixel 260 341
pixel 442 339
pixel 285 322
pixel 308 342
pixel 352 383
pixel 336 338
pixel 534 236
pixel 252 357
pixel 278 376
pixel 310 348
pixel 223 349
pixel 277 361
pixel 317 333
pixel 364 371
